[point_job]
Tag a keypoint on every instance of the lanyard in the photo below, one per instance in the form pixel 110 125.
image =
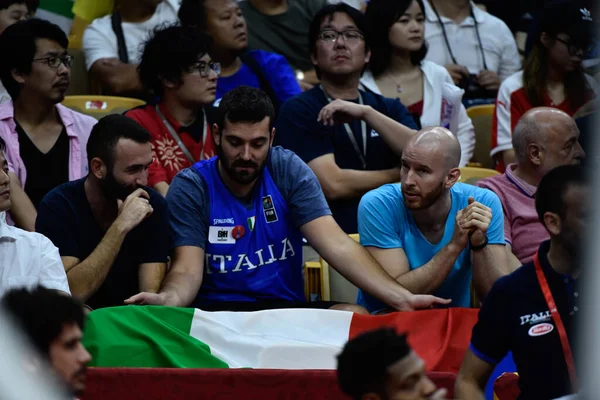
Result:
pixel 176 137
pixel 363 127
pixel 446 35
pixel 557 320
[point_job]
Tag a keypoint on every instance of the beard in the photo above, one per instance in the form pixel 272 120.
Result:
pixel 426 200
pixel 242 177
pixel 113 189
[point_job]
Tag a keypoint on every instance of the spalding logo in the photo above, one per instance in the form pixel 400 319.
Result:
pixel 540 329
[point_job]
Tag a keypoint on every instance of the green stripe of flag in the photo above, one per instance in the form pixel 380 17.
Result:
pixel 60 7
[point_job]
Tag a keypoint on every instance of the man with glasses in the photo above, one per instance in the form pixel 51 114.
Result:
pixel 45 142
pixel 176 67
pixel 351 139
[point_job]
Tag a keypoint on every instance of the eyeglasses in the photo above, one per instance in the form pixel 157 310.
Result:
pixel 205 68
pixel 331 36
pixel 574 48
pixel 55 61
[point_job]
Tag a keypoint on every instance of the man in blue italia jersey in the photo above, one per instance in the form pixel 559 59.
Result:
pixel 237 222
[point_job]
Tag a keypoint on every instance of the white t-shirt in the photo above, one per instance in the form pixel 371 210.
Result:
pixel 499 45
pixel 100 41
pixel 29 259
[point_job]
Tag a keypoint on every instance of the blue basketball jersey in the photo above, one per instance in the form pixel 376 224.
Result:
pixel 253 251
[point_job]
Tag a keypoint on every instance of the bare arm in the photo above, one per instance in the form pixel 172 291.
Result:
pixel 489 264
pixel 162 188
pixel 117 76
pixel 513 261
pixel 340 183
pixel 180 286
pixel 356 264
pixel 472 378
pixel 22 211
pixel 150 276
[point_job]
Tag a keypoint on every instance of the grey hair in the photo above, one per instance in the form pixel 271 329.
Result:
pixel 528 130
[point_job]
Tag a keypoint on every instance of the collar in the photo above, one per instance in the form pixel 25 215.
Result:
pixel 176 125
pixel 7 112
pixel 480 15
pixel 553 277
pixel 5 230
pixel 524 187
pixel 197 124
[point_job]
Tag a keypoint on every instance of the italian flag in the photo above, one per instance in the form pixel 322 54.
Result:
pixel 169 337
pixel 58 12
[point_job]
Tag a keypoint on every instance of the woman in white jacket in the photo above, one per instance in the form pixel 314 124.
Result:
pixel 396 34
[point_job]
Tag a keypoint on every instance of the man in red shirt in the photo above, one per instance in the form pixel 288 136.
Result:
pixel 176 67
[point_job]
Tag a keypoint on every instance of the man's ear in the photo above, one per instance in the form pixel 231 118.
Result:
pixel 452 177
pixel 547 40
pixel 272 137
pixel 98 168
pixel 552 222
pixel 17 76
pixel 535 153
pixel 169 84
pixel 367 56
pixel 216 134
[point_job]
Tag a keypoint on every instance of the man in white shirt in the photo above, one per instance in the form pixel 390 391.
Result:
pixel 113 44
pixel 477 48
pixel 27 259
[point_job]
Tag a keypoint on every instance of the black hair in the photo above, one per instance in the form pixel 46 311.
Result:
pixel 4 4
pixel 381 15
pixel 18 44
pixel 192 13
pixel 327 12
pixel 169 52
pixel 42 313
pixel 245 104
pixel 363 363
pixel 107 132
pixel 550 196
pixel 2 145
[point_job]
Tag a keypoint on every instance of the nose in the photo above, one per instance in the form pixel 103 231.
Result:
pixel 246 153
pixel 4 178
pixel 239 21
pixel 84 356
pixel 409 177
pixel 340 42
pixel 580 151
pixel 142 179
pixel 212 75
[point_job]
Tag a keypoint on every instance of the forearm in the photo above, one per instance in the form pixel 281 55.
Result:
pixel 120 78
pixel 22 211
pixel 162 188
pixel 468 389
pixel 429 277
pixel 86 277
pixel 348 183
pixel 393 133
pixel 489 264
pixel 180 288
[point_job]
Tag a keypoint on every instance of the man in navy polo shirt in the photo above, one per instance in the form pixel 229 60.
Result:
pixel 352 140
pixel 516 315
pixel 237 222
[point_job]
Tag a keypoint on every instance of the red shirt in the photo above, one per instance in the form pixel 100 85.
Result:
pixel 169 159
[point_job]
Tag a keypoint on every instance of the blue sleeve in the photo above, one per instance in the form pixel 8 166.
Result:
pixel 299 186
pixel 490 340
pixel 57 222
pixel 297 128
pixel 280 75
pixel 495 231
pixel 398 112
pixel 188 208
pixel 156 241
pixel 379 219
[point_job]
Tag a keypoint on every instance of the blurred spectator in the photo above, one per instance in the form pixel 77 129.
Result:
pixel 532 312
pixel 53 323
pixel 282 27
pixel 380 365
pixel 176 67
pixel 433 234
pixel 110 229
pixel 12 11
pixel 476 48
pixel 45 142
pixel 543 139
pixel 397 70
pixel 351 139
pixel 552 76
pixel 28 259
pixel 224 22
pixel 113 44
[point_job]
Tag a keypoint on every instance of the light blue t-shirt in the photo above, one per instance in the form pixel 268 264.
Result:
pixel 384 222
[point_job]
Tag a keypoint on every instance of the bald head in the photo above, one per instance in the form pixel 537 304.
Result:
pixel 540 125
pixel 438 143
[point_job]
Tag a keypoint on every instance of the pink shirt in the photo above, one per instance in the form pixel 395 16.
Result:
pixel 522 227
pixel 78 127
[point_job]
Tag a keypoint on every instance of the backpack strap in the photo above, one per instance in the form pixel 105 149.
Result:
pixel 116 22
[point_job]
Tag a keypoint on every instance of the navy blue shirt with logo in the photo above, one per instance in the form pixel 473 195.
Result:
pixel 515 317
pixel 297 129
pixel 253 247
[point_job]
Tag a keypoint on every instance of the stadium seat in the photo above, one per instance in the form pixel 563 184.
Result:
pixel 471 175
pixel 482 121
pixel 98 106
pixel 316 278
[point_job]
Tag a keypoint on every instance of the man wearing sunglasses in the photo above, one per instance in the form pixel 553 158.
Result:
pixel 45 142
pixel 352 140
pixel 175 67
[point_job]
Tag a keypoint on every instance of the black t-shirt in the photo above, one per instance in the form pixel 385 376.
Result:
pixel 45 171
pixel 297 129
pixel 515 317
pixel 66 218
